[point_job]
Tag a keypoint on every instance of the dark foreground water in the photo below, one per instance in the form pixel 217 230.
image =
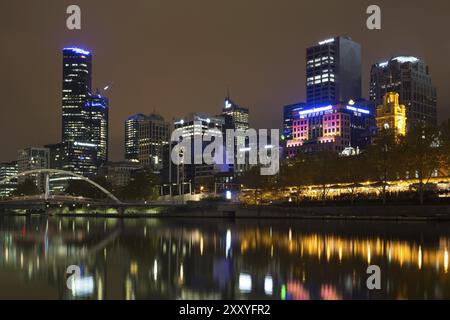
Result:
pixel 219 259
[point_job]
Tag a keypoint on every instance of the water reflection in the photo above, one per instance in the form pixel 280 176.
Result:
pixel 215 259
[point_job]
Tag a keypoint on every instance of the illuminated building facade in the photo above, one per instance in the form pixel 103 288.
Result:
pixel 85 115
pixel 333 69
pixel 33 159
pixel 391 115
pixel 96 111
pixel 290 113
pixel 153 135
pixel 410 78
pixel 77 73
pixel 119 173
pixel 8 170
pixel 236 118
pixel 132 137
pixel 199 177
pixel 331 128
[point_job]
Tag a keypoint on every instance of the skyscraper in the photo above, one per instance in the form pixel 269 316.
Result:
pixel 77 69
pixel 96 112
pixel 153 135
pixel 85 115
pixel 410 78
pixel 33 159
pixel 236 118
pixel 290 113
pixel 333 69
pixel 192 169
pixel 8 170
pixel 132 137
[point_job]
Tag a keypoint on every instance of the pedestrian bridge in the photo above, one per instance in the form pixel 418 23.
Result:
pixel 47 192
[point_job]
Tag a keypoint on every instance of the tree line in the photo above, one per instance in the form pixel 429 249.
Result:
pixel 421 154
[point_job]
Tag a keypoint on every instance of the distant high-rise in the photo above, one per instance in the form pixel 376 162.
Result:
pixel 290 113
pixel 96 111
pixel 333 69
pixel 237 119
pixel 33 159
pixel 85 115
pixel 410 77
pixel 153 136
pixel 132 137
pixel 77 69
pixel 8 170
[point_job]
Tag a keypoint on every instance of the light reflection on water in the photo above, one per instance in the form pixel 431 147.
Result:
pixel 221 259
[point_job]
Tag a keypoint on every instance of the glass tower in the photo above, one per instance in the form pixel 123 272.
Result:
pixel 333 69
pixel 410 78
pixel 84 116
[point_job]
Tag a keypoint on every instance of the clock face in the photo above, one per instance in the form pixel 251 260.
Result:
pixel 386 126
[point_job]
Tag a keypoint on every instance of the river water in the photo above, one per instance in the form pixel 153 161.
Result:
pixel 220 259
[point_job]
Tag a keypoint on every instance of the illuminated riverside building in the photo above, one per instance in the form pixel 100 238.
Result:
pixel 391 115
pixel 8 170
pixel 236 118
pixel 132 137
pixel 145 138
pixel 410 78
pixel 33 159
pixel 290 114
pixel 153 134
pixel 199 177
pixel 96 110
pixel 335 128
pixel 84 116
pixel 333 71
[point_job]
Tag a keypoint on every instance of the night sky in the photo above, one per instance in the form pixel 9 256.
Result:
pixel 178 56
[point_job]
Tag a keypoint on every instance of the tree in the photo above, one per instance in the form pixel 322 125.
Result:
pixel 321 169
pixel 294 174
pixel 27 188
pixel 445 145
pixel 143 185
pixel 421 151
pixel 80 188
pixel 252 179
pixel 384 159
pixel 352 170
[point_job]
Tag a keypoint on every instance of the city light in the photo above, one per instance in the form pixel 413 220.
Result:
pixel 79 50
pixel 326 41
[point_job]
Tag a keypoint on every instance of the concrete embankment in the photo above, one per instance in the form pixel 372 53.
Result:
pixel 411 212
pixel 236 211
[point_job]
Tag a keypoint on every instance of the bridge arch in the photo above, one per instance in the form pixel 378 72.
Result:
pixel 55 171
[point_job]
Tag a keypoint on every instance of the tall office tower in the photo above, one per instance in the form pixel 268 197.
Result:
pixel 290 113
pixel 85 115
pixel 132 137
pixel 33 159
pixel 200 176
pixel 410 78
pixel 153 135
pixel 8 170
pixel 236 118
pixel 391 115
pixel 96 123
pixel 77 70
pixel 333 69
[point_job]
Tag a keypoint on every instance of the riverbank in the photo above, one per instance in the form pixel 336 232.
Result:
pixel 237 211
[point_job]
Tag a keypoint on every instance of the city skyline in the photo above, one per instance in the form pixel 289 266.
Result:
pixel 258 79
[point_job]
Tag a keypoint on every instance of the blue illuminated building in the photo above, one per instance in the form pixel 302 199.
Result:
pixel 343 128
pixel 84 144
